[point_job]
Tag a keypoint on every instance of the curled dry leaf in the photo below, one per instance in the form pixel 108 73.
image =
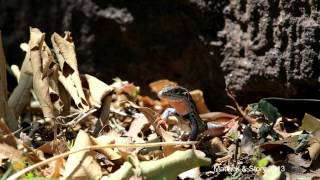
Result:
pixel 146 101
pixel 156 86
pixel 40 82
pixel 154 118
pixel 98 90
pixel 83 164
pixel 197 96
pixel 69 74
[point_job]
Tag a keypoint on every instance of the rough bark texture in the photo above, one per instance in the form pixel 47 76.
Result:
pixel 137 40
pixel 272 47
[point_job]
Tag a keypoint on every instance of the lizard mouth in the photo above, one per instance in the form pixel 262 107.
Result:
pixel 180 106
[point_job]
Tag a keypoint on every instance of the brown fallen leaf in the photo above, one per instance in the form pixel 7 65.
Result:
pixel 216 147
pixel 146 101
pixel 217 117
pixel 82 165
pixel 156 86
pixel 9 152
pixel 111 153
pixel 137 126
pixel 98 90
pixel 54 169
pixel 310 123
pixel 197 96
pixel 314 145
pixel 69 75
pixel 6 136
pixel 40 82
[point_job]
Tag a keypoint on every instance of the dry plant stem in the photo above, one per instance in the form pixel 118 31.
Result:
pixel 92 148
pixel 5 111
pixel 239 109
pixel 79 118
pixel 236 153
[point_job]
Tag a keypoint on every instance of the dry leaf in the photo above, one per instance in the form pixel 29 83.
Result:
pixel 69 74
pixel 314 145
pixel 98 90
pixel 55 168
pixel 156 86
pixel 9 152
pixel 112 154
pixel 190 174
pixel 146 101
pixel 40 82
pixel 310 123
pixel 216 147
pixel 217 117
pixel 197 96
pixel 82 165
pixel 139 123
pixel 6 136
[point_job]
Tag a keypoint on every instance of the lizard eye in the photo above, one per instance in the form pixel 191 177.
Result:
pixel 175 91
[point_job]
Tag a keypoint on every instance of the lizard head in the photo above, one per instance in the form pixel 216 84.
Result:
pixel 173 93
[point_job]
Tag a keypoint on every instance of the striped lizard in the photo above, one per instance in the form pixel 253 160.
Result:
pixel 183 105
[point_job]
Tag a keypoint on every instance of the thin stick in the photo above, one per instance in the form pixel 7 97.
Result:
pixel 239 109
pixel 25 170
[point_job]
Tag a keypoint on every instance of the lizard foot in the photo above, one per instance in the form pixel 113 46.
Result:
pixel 161 122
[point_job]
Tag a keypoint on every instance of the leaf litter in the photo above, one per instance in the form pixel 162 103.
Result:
pixel 71 125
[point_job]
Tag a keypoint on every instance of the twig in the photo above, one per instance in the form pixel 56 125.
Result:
pixel 79 118
pixel 236 153
pixel 239 109
pixel 92 148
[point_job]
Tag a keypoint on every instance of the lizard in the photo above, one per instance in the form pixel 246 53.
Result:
pixel 182 104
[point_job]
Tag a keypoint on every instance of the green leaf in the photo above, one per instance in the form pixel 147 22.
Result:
pixel 264 161
pixel 268 110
